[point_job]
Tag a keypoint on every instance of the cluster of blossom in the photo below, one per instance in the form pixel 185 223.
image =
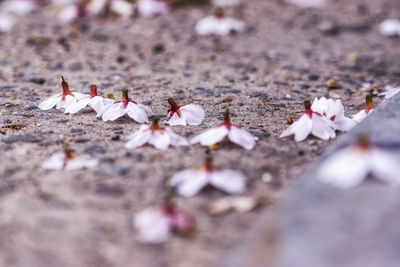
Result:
pixel 187 182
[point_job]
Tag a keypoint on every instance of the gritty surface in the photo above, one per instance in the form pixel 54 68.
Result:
pixel 83 218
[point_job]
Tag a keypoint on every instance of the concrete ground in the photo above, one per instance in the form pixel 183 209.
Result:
pixel 83 218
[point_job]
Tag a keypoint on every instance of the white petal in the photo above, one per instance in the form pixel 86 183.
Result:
pixel 98 103
pixel 225 3
pixel 95 6
pixel 152 225
pixel 159 140
pixel 77 106
pixel 385 166
pixel 19 7
pixel 189 182
pixel 308 3
pixel 390 27
pixel 211 136
pixel 322 127
pixel 194 114
pixel 6 22
pixel 358 117
pixel 220 26
pixel 175 139
pixel 81 162
pixel 229 181
pixel 69 99
pixel 241 137
pixel 113 112
pixel 148 8
pixel 136 112
pixel 106 107
pixel 50 102
pixel 55 162
pixel 122 8
pixel 345 124
pixel 139 138
pixel 176 120
pixel 345 169
pixel 301 128
pixel 68 14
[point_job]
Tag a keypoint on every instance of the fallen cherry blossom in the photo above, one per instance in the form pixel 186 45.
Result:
pixel 240 204
pixel 154 135
pixel 149 8
pixel 138 112
pixel 18 7
pixel 61 100
pixel 191 114
pixel 94 100
pixel 390 91
pixel 311 123
pixel 234 133
pixel 390 27
pixel 69 160
pixel 190 181
pixel 6 22
pixel 348 167
pixel 333 110
pixel 155 224
pixel 308 3
pixel 218 24
pixel 369 108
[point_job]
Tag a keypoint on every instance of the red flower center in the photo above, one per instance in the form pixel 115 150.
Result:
pixel 174 108
pixel 65 88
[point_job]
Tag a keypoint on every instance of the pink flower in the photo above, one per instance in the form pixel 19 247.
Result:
pixel 311 123
pixel 390 91
pixel 69 160
pixel 149 8
pixel 351 165
pixel 234 133
pixel 154 135
pixel 362 114
pixel 333 110
pixel 62 100
pixel 97 102
pixel 184 114
pixel 155 224
pixel 138 112
pixel 218 24
pixel 189 182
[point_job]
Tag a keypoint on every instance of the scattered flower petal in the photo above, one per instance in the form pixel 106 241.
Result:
pixel 155 224
pixel 184 114
pixel 97 102
pixel 154 135
pixel 390 91
pixel 68 160
pixel 218 24
pixel 348 167
pixel 122 8
pixel 390 27
pixel 189 182
pixel 311 123
pixel 226 3
pixel 234 133
pixel 62 100
pixel 149 8
pixel 362 114
pixel 240 204
pixel 18 7
pixel 138 112
pixel 6 22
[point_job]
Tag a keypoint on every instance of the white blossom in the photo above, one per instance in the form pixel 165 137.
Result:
pixel 362 114
pixel 333 110
pixel 154 135
pixel 149 8
pixel 122 8
pixel 184 114
pixel 190 181
pixel 138 112
pixel 351 165
pixel 390 91
pixel 390 27
pixel 155 224
pixel 95 101
pixel 18 7
pixel 234 133
pixel 61 100
pixel 311 123
pixel 6 22
pixel 68 160
pixel 218 24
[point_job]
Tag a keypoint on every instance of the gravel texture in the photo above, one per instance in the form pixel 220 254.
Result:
pixel 83 218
